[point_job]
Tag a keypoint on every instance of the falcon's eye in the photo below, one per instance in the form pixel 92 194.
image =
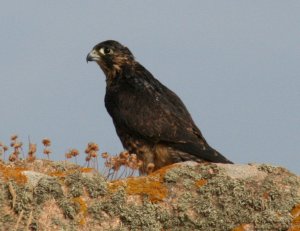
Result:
pixel 106 51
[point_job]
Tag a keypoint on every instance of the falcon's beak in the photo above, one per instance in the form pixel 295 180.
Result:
pixel 92 56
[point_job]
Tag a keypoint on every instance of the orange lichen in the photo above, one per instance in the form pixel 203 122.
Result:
pixel 86 170
pixel 83 208
pixel 200 182
pixel 162 172
pixel 266 195
pixel 243 227
pixel 149 186
pixel 13 173
pixel 295 226
pixel 68 172
pixel 58 173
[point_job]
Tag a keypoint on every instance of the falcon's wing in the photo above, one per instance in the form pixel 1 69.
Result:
pixel 147 109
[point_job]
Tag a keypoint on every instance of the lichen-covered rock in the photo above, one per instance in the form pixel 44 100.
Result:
pixel 46 195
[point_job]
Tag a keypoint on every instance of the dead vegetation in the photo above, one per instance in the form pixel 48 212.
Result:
pixel 114 166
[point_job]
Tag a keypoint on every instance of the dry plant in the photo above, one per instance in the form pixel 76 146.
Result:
pixel 47 151
pixel 3 150
pixel 31 152
pixel 122 165
pixel 17 148
pixel 72 153
pixel 115 166
pixel 92 154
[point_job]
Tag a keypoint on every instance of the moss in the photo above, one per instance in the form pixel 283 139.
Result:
pixel 112 205
pixel 74 182
pixel 70 209
pixel 47 188
pixel 264 205
pixel 116 203
pixel 62 166
pixel 95 210
pixel 147 217
pixel 96 186
pixel 7 219
pixel 197 172
pixel 175 174
pixel 267 168
pixel 24 199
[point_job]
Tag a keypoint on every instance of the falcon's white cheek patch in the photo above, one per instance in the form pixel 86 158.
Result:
pixel 94 54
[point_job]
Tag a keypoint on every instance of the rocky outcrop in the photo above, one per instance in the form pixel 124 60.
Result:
pixel 46 195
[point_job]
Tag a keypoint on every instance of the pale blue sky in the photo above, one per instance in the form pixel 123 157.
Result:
pixel 235 64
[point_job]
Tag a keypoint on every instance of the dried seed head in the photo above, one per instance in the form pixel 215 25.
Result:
pixel 5 148
pixel 32 149
pixel 12 158
pixel 93 146
pixel 17 144
pixel 104 155
pixel 93 154
pixel 14 137
pixel 1 144
pixel 87 150
pixel 88 158
pixel 46 142
pixel 68 155
pixel 12 144
pixel 116 166
pixel 74 152
pixel 47 151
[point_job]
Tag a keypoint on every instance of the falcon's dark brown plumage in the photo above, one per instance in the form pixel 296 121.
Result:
pixel 150 119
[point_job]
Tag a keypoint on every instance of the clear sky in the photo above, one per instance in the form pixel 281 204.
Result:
pixel 235 64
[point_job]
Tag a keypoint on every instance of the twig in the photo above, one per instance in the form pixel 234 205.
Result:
pixel 19 219
pixel 13 194
pixel 29 221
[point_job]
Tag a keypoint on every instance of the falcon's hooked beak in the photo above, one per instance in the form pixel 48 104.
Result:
pixel 92 56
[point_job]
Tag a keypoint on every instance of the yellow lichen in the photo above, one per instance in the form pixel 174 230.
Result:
pixel 149 186
pixel 243 227
pixel 295 226
pixel 200 182
pixel 86 170
pixel 162 172
pixel 83 208
pixel 13 173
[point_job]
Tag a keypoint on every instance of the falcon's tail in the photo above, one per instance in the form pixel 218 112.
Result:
pixel 202 152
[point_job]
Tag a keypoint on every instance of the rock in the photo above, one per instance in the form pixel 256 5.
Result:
pixel 50 195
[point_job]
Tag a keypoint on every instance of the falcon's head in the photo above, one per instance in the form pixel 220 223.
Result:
pixel 110 56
